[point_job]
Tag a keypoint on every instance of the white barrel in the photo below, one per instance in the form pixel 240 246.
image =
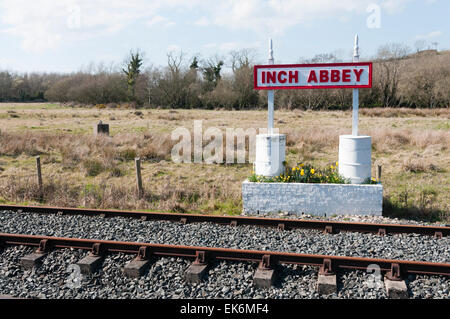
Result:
pixel 270 154
pixel 355 157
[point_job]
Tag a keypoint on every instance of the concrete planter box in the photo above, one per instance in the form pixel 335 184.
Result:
pixel 313 199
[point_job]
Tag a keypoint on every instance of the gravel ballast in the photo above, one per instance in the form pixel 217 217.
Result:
pixel 225 279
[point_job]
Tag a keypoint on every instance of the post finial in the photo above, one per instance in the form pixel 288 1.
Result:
pixel 356 49
pixel 270 51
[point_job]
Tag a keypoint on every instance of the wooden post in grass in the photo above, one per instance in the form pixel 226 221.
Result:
pixel 137 161
pixel 379 172
pixel 39 175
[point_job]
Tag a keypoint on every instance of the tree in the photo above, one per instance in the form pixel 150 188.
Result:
pixel 194 64
pixel 211 71
pixel 132 70
pixel 241 64
pixel 241 58
pixel 420 45
pixel 391 59
pixel 6 82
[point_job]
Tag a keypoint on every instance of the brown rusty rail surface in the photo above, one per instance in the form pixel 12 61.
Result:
pixel 401 267
pixel 328 226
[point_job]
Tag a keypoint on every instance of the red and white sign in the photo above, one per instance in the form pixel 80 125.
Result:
pixel 313 76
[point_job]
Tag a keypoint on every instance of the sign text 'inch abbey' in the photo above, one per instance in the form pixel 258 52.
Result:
pixel 313 76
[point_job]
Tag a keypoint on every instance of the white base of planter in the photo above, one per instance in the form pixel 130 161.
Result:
pixel 313 199
pixel 270 154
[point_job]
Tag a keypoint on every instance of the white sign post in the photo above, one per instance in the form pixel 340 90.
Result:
pixel 355 92
pixel 354 150
pixel 270 147
pixel 270 94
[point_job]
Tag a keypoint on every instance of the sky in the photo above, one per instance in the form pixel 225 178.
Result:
pixel 68 35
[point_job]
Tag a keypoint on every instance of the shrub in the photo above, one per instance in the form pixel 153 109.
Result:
pixel 93 167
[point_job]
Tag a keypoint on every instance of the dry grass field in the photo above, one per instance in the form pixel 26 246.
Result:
pixel 413 147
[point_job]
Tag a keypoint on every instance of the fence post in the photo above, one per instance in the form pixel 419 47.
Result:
pixel 39 175
pixel 137 161
pixel 379 172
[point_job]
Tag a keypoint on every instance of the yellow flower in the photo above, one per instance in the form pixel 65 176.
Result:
pixel 302 172
pixel 312 170
pixel 337 163
pixel 331 166
pixel 301 165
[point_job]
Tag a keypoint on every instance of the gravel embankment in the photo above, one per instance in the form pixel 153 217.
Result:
pixel 165 280
pixel 225 279
pixel 402 246
pixel 352 218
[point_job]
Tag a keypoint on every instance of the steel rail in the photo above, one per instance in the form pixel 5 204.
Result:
pixel 328 226
pixel 212 253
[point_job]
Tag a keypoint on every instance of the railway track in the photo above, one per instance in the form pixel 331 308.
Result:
pixel 284 224
pixel 328 265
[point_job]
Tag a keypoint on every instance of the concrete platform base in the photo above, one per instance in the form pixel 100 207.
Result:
pixel 396 289
pixel 312 198
pixel 136 268
pixel 326 284
pixel 89 264
pixel 32 260
pixel 264 278
pixel 195 273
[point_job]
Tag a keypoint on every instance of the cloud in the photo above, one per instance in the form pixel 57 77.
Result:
pixel 161 21
pixel 202 22
pixel 48 24
pixel 173 48
pixel 275 17
pixel 394 6
pixel 232 45
pixel 433 34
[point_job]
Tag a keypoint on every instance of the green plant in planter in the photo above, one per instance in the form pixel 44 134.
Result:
pixel 304 173
pixel 371 181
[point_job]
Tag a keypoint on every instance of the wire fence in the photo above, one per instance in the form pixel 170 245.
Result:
pixel 47 183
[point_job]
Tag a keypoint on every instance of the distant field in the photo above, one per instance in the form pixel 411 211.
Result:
pixel 413 146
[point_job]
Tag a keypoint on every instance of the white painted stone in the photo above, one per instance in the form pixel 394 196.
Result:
pixel 314 199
